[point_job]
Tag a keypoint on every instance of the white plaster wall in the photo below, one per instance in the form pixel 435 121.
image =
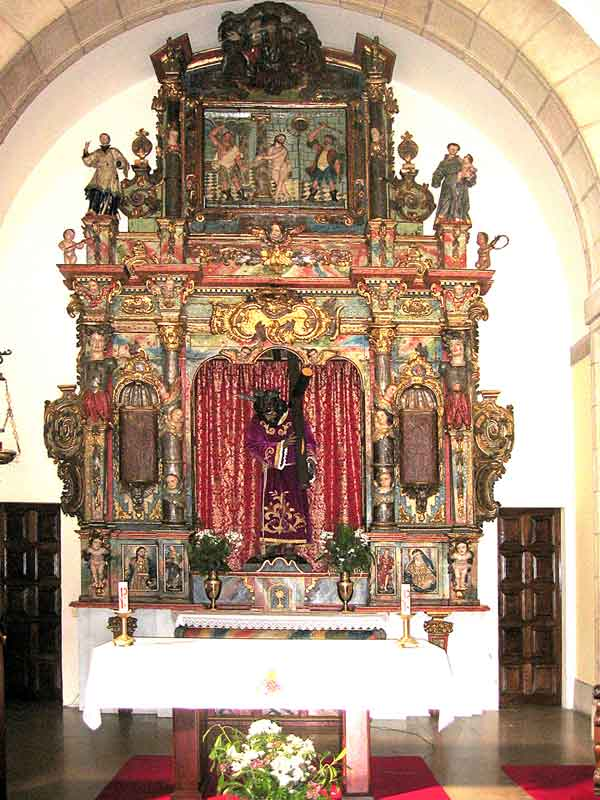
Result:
pixel 535 305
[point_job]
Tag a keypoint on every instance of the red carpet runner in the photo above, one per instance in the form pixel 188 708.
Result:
pixel 151 778
pixel 554 782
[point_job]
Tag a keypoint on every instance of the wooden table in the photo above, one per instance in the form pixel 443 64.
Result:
pixel 191 675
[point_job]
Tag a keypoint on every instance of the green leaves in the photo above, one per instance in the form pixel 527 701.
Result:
pixel 348 550
pixel 208 551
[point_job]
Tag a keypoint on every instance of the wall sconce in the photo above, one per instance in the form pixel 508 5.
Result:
pixel 6 456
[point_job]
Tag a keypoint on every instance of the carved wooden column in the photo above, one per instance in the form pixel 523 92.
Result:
pixel 375 66
pixel 171 337
pixel 171 233
pixel 381 297
pixel 100 233
pixel 454 237
pixel 381 338
pixel 173 60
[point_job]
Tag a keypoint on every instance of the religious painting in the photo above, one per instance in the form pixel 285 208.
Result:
pixel 275 156
pixel 281 597
pixel 139 562
pixel 385 570
pixel 421 568
pixel 173 568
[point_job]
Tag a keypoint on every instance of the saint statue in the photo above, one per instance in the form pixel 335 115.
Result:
pixel 275 440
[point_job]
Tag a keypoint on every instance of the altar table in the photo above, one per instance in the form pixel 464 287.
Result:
pixel 357 677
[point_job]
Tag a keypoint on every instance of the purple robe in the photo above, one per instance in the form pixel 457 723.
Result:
pixel 284 502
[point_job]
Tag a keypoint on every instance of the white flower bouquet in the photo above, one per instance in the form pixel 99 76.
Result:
pixel 267 764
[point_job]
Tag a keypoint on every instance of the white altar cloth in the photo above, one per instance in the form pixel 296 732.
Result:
pixel 311 621
pixel 376 676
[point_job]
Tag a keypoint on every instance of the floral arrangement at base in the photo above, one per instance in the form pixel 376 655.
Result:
pixel 267 764
pixel 209 551
pixel 347 549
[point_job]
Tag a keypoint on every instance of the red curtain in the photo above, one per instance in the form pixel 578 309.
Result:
pixel 228 480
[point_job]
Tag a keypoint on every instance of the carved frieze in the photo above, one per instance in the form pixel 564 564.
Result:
pixel 278 315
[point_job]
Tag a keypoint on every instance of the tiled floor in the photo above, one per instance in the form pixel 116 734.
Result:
pixel 52 755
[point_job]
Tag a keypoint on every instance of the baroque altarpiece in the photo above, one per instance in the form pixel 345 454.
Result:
pixel 275 234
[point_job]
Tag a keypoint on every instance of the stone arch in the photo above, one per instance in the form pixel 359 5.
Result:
pixel 534 53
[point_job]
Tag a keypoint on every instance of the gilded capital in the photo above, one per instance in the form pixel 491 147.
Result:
pixel 382 337
pixel 171 336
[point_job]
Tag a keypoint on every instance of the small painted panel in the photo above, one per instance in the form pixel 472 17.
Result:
pixel 139 567
pixel 173 568
pixel 275 156
pixel 421 568
pixel 281 597
pixel 386 578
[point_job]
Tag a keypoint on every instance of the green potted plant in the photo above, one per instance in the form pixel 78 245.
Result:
pixel 347 550
pixel 207 555
pixel 266 764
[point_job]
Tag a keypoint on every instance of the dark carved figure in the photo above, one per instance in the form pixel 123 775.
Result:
pixel 271 440
pixel 455 175
pixel 104 190
pixel 270 47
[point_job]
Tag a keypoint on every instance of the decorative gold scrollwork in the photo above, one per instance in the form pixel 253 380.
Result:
pixel 139 304
pixel 137 369
pixel 494 434
pixel 171 336
pixel 381 338
pixel 282 316
pixel 64 436
pixel 416 307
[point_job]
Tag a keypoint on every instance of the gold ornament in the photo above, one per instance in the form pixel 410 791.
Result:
pixel 280 314
pixel 494 435
pixel 171 336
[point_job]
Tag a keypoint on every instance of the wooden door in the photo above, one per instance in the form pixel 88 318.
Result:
pixel 529 608
pixel 30 577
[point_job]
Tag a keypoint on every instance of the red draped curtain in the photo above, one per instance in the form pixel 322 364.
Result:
pixel 228 480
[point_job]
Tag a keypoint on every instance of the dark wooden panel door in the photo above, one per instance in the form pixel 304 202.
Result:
pixel 30 564
pixel 529 607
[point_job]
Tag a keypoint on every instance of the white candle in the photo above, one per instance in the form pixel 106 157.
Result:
pixel 405 599
pixel 123 597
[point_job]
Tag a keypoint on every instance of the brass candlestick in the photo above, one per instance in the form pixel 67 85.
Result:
pixel 123 639
pixel 406 640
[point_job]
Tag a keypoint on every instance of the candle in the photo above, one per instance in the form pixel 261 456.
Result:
pixel 123 597
pixel 405 599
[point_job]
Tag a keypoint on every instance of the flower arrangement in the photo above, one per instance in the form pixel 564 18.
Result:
pixel 268 764
pixel 347 549
pixel 208 551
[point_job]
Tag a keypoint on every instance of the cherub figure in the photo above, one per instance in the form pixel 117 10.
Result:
pixel 69 246
pixel 461 560
pixel 97 556
pixel 485 248
pixel 382 426
pixel 276 256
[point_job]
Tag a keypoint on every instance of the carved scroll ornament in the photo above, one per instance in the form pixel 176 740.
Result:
pixel 63 436
pixel 494 433
pixel 279 315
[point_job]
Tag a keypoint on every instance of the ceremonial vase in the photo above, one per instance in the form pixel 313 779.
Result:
pixel 345 587
pixel 212 587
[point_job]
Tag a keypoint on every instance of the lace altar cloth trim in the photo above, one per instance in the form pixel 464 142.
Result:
pixel 285 622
